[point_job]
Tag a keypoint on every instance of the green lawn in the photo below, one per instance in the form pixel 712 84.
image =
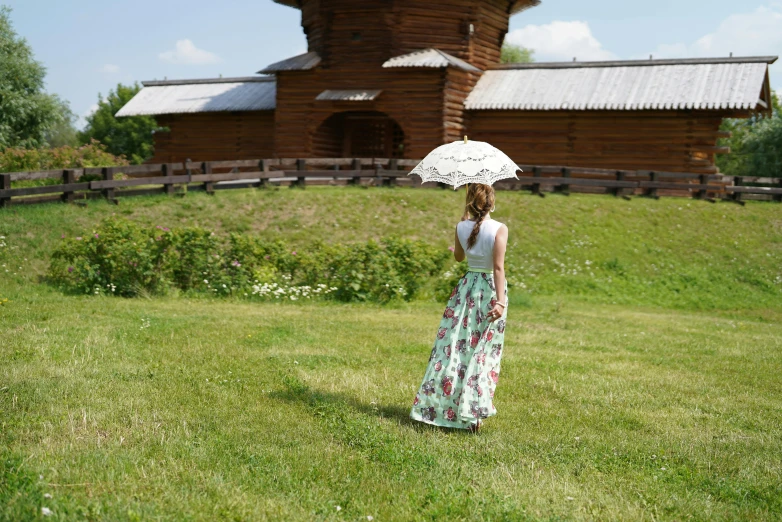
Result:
pixel 646 390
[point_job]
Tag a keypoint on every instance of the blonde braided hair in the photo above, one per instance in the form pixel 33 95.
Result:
pixel 480 201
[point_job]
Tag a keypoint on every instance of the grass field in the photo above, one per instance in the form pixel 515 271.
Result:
pixel 643 385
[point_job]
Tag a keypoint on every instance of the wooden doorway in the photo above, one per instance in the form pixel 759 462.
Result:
pixel 359 135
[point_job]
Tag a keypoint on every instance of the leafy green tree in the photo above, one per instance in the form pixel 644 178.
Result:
pixel 63 133
pixel 756 145
pixel 516 54
pixel 131 137
pixel 26 111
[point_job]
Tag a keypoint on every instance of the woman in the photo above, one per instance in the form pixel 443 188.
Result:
pixel 464 366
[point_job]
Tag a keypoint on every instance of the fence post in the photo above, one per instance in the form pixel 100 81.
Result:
pixel 5 184
pixel 168 171
pixel 703 179
pixel 392 165
pixel 356 165
pixel 536 172
pixel 652 192
pixel 188 171
pixel 565 188
pixel 209 186
pixel 738 196
pixel 620 176
pixel 68 178
pixel 263 168
pixel 108 175
pixel 778 197
pixel 301 180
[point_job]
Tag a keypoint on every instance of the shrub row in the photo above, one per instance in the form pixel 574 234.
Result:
pixel 93 154
pixel 123 258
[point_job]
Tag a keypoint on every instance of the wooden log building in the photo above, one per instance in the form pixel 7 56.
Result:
pixel 397 78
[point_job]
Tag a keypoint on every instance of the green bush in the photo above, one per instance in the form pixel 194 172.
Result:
pixel 448 281
pixel 66 157
pixel 118 257
pixel 93 154
pixel 122 258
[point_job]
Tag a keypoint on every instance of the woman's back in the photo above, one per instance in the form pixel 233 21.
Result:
pixel 481 255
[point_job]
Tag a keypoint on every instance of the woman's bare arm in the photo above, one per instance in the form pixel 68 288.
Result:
pixel 458 251
pixel 500 245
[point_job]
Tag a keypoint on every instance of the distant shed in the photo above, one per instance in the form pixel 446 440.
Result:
pixel 222 118
pixel 396 78
pixel 649 114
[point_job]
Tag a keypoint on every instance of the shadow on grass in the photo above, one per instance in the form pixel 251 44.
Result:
pixel 325 403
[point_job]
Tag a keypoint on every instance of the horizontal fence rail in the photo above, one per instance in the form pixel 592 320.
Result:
pixel 70 185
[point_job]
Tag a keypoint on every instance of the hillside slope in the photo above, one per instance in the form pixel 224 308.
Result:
pixel 671 252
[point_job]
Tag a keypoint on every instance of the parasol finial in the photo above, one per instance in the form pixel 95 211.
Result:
pixel 465 139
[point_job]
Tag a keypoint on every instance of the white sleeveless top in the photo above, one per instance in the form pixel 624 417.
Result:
pixel 481 255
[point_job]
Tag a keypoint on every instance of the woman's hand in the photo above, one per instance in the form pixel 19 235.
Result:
pixel 496 312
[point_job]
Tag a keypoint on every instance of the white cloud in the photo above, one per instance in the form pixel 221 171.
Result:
pixel 758 32
pixel 81 122
pixel 185 52
pixel 561 40
pixel 89 112
pixel 110 68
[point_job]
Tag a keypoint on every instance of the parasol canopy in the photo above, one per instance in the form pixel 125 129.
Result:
pixel 463 162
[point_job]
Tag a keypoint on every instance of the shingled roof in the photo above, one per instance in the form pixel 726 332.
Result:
pixel 706 84
pixel 210 95
pixel 301 62
pixel 517 7
pixel 429 58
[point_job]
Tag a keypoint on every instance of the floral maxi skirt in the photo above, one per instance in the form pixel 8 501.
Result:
pixel 464 367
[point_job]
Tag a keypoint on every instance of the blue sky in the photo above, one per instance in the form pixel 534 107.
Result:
pixel 88 46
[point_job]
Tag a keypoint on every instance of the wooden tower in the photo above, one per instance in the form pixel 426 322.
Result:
pixel 384 78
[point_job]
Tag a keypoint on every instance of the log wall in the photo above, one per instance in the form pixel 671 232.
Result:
pixel 679 141
pixel 355 38
pixel 412 97
pixel 458 85
pixel 215 136
pixel 346 32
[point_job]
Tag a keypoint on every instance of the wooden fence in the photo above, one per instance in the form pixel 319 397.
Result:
pixel 176 178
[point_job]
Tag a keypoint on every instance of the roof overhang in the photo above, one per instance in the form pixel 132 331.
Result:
pixel 523 5
pixel 352 95
pixel 517 7
pixel 302 62
pixel 429 58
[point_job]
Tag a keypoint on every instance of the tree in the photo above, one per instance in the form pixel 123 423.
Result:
pixel 131 137
pixel 63 133
pixel 26 111
pixel 516 54
pixel 756 144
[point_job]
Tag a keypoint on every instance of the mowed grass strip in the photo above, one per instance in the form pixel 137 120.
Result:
pixel 172 409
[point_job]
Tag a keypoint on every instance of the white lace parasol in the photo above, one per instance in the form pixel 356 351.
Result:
pixel 463 162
